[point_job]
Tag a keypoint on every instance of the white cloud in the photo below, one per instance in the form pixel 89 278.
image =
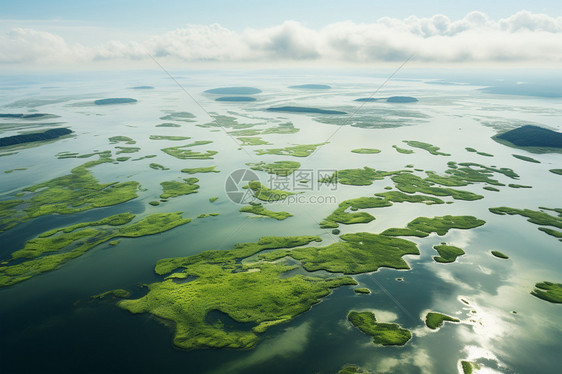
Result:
pixel 523 38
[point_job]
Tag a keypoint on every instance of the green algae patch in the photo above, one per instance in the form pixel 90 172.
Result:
pixel 382 333
pixel 434 150
pixel 53 249
pixel 551 292
pixel 168 137
pixel 207 169
pixel 76 192
pixel 282 168
pixel 447 253
pixel 435 320
pixel 252 140
pixel 257 293
pixel 402 150
pixel 423 226
pixel 122 158
pixel 369 151
pixel 556 171
pixel 303 150
pixel 226 122
pixel 362 290
pixel 158 167
pixel 468 367
pixel 259 210
pixel 357 253
pixel 118 293
pixel 16 169
pixel 526 158
pixel 267 194
pixel 121 139
pixel 499 254
pixel 175 188
pixel 188 154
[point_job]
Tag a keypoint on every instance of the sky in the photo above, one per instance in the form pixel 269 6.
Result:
pixel 122 33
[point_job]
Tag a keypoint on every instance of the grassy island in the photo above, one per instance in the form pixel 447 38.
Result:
pixel 526 158
pixel 257 293
pixel 362 290
pixel 207 169
pixel 341 216
pixel 423 226
pixel 283 168
pixel 258 209
pixel 435 320
pixel 303 150
pixel 179 116
pixel 158 166
pixel 470 149
pixel 499 254
pixel 264 193
pixel 551 292
pixel 121 139
pixel 366 150
pixel 252 140
pixel 357 177
pixel 536 217
pixel 283 128
pixel 447 253
pixel 556 171
pixel 54 248
pixel 168 137
pixel 186 154
pixel 118 293
pixel 300 109
pixel 352 369
pixel 434 150
pixel 402 150
pixel 175 188
pixel 382 333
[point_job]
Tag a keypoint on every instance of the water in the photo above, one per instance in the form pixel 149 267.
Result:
pixel 49 325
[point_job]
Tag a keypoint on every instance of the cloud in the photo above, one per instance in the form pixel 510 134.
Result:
pixel 522 38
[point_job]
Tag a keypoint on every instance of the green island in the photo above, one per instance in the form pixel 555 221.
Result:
pixel 357 177
pixel 499 254
pixel 536 217
pixel 143 157
pixel 64 155
pixel 226 281
pixel 515 185
pixel 206 169
pixel 410 183
pixel 12 170
pixel 556 171
pixel 118 293
pixel 54 248
pixel 72 193
pixel 352 369
pixel 283 168
pixel 282 128
pixel 423 226
pixel 252 140
pixel 435 320
pixel 470 149
pixel 362 290
pixel 357 253
pixel 121 139
pixel 303 150
pixel 158 167
pixel 341 216
pixel 258 209
pixel 226 122
pixel 366 150
pixel 179 116
pixel 526 158
pixel 447 253
pixel 531 138
pixel 264 193
pixel 168 137
pixel 213 199
pixel 382 333
pixel 490 188
pixel 168 124
pixel 403 150
pixel 551 292
pixel 185 154
pixel 154 202
pixel 126 149
pixel 469 366
pixel 434 150
pixel 205 215
pixel 175 188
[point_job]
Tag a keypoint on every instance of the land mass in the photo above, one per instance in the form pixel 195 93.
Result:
pixel 532 138
pixel 300 109
pixel 115 100
pixel 34 137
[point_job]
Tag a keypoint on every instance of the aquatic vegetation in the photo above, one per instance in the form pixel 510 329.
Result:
pixel 403 150
pixel 127 150
pixel 258 209
pixel 362 290
pixel 470 149
pixel 264 193
pixel 175 188
pixel 447 253
pixel 283 168
pixel 311 87
pixel 341 216
pixel 382 333
pixel 551 292
pixel 76 192
pixel 255 293
pixel 121 139
pixel 184 154
pixel 64 155
pixel 143 157
pixel 206 169
pixel 556 171
pixel 118 293
pixel 469 366
pixel 179 116
pixel 536 217
pixel 154 203
pixel 252 140
pixel 358 253
pixel 357 177
pixel 399 197
pixel 227 122
pixel 423 226
pixel 410 183
pixel 352 369
pixel 205 215
pixel 282 128
pixel 366 150
pixel 158 167
pixel 499 254
pixel 303 150
pixel 526 158
pixel 401 99
pixel 72 242
pixel 300 109
pixel 434 150
pixel 435 320
pixel 167 124
pixel 12 170
pixel 213 199
pixel 514 185
pixel 115 100
pixel 168 137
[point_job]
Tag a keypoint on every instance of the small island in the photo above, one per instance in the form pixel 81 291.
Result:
pixel 401 99
pixel 435 320
pixel 300 109
pixel 499 254
pixel 366 150
pixel 34 137
pixel 548 291
pixel 447 253
pixel 258 209
pixel 234 91
pixel 115 100
pixel 237 99
pixel 534 139
pixel 382 333
pixel 362 290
